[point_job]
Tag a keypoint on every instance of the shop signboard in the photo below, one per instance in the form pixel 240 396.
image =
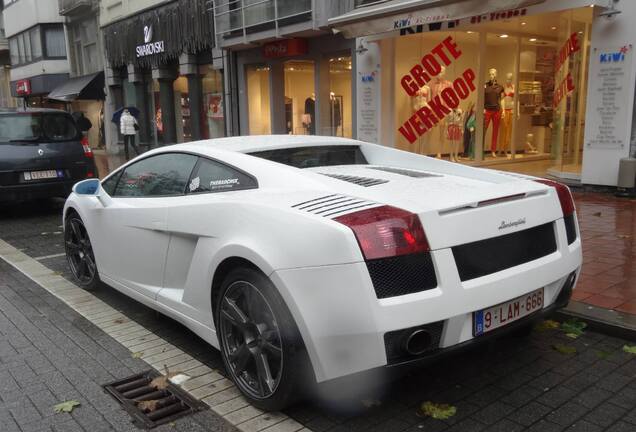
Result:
pixel 610 72
pixel 368 90
pixel 149 47
pixel 23 87
pixel 285 48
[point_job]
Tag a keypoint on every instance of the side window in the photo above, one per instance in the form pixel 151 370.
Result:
pixel 109 184
pixel 212 176
pixel 161 175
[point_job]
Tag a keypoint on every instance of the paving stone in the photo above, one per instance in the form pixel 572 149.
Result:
pixel 556 396
pixel 529 413
pixel 605 414
pixel 567 414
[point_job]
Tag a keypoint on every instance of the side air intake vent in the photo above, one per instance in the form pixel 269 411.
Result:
pixel 360 181
pixel 332 205
pixel 406 172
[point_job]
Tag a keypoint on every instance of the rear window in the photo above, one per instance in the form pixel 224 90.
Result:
pixel 317 156
pixel 34 127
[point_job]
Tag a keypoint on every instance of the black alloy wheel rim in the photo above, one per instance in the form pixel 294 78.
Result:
pixel 79 251
pixel 251 340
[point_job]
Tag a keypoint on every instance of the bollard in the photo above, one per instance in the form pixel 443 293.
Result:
pixel 626 185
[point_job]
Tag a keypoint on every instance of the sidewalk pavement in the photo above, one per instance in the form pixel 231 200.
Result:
pixel 607 286
pixel 51 354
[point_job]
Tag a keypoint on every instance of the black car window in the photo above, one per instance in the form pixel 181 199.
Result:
pixel 165 174
pixel 109 184
pixel 58 127
pixel 212 176
pixel 315 156
pixel 36 127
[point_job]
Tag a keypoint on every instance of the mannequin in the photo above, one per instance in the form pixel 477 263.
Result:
pixel 421 99
pixel 438 85
pixel 507 115
pixel 493 93
pixel 454 132
pixel 335 112
pixel 310 114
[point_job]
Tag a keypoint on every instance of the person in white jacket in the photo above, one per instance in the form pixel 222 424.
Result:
pixel 128 127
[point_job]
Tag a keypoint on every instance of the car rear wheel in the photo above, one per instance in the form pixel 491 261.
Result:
pixel 260 343
pixel 79 253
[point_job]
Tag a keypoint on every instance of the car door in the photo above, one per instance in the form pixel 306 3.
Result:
pixel 130 235
pixel 197 228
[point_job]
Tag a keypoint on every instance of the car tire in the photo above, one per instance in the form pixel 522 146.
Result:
pixel 79 253
pixel 253 324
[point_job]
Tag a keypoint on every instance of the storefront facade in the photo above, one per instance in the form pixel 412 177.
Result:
pixel 297 86
pixel 544 88
pixel 162 61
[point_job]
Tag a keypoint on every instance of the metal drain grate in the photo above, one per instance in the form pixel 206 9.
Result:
pixel 161 405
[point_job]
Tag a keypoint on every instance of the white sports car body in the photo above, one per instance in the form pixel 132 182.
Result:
pixel 381 256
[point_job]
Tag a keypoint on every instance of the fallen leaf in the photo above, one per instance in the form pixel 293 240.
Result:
pixel 564 349
pixel 437 411
pixel 631 349
pixel 547 325
pixel 572 335
pixel 172 424
pixel 118 321
pixel 369 403
pixel 137 354
pixel 179 379
pixel 573 326
pixel 66 406
pixel 148 405
pixel 603 354
pixel 161 382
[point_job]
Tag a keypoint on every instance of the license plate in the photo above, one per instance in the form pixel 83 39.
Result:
pixel 498 316
pixel 46 174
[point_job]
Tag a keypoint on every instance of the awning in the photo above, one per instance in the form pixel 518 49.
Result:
pixel 82 87
pixel 402 14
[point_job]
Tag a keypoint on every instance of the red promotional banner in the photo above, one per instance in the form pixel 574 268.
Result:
pixel 285 48
pixel 23 87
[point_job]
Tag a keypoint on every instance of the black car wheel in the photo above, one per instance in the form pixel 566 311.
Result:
pixel 260 343
pixel 79 252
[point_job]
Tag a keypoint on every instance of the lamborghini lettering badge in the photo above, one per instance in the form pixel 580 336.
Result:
pixel 504 224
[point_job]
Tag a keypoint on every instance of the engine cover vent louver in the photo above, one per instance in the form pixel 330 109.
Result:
pixel 406 172
pixel 360 181
pixel 333 205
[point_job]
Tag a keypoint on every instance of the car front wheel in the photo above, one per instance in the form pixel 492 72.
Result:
pixel 79 253
pixel 260 343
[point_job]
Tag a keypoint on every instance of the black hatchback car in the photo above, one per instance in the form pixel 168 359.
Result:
pixel 42 154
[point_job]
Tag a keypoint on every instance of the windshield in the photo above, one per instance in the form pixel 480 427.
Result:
pixel 317 156
pixel 35 127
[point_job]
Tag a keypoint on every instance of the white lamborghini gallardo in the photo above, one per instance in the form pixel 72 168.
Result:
pixel 343 256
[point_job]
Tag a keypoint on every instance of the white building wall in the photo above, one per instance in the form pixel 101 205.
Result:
pixel 24 14
pixel 600 165
pixel 113 10
pixel 39 68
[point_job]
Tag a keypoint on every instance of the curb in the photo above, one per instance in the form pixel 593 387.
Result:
pixel 606 321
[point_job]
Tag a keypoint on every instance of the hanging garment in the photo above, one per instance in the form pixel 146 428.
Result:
pixel 509 96
pixel 469 134
pixel 492 96
pixel 310 110
pixel 495 117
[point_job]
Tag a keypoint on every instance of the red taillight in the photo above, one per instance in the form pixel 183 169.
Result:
pixel 87 149
pixel 90 174
pixel 386 231
pixel 565 197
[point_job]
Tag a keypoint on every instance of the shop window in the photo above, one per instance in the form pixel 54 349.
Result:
pixel 339 121
pixel 213 104
pixel 182 109
pixel 36 42
pixel 259 118
pixel 452 130
pixel 300 97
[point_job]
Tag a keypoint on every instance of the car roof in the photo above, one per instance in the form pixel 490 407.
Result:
pixel 255 143
pixel 30 110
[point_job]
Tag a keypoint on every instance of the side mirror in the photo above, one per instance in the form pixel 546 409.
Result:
pixel 92 187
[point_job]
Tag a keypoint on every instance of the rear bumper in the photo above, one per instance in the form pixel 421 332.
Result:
pixel 344 325
pixel 37 190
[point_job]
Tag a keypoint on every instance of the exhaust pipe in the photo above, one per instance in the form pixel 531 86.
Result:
pixel 418 342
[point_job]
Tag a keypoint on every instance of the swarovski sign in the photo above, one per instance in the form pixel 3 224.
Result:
pixel 149 48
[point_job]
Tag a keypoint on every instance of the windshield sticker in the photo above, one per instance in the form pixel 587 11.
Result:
pixel 194 184
pixel 224 184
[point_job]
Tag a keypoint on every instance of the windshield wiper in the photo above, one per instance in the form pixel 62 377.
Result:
pixel 35 139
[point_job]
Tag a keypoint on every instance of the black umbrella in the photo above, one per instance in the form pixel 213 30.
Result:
pixel 117 114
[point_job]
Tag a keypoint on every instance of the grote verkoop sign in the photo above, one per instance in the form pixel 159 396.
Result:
pixel 440 105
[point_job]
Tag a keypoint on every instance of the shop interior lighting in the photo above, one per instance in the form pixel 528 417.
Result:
pixel 523 23
pixel 553 27
pixel 469 32
pixel 533 39
pixel 503 36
